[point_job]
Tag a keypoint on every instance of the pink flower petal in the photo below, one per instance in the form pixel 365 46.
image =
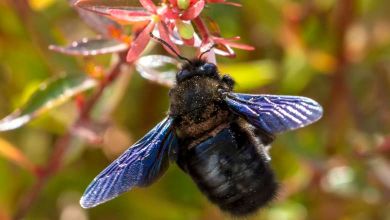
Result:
pixel 225 50
pixel 232 4
pixel 193 11
pixel 164 34
pixel 148 5
pixel 173 3
pixel 240 46
pixel 189 42
pixel 229 42
pixel 202 29
pixel 221 39
pixel 129 15
pixel 139 44
pixel 172 13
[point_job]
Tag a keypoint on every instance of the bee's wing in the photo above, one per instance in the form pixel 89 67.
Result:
pixel 140 165
pixel 275 113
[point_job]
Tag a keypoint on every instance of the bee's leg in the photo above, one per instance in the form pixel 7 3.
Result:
pixel 266 138
pixel 228 80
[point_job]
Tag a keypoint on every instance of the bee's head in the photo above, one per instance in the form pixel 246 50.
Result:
pixel 197 67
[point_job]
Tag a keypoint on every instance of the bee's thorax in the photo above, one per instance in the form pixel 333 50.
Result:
pixel 197 103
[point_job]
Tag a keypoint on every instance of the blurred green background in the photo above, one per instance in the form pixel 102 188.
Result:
pixel 336 52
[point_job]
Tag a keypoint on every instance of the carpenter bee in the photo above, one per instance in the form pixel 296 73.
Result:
pixel 218 137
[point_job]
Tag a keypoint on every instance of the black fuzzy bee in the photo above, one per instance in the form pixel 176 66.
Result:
pixel 218 137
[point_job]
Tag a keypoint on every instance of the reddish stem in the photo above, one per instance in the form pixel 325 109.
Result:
pixel 50 168
pixel 338 103
pixel 114 72
pixel 62 144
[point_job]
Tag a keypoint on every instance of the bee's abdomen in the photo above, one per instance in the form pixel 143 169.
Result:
pixel 231 172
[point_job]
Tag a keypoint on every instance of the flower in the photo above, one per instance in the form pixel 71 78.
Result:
pixel 223 46
pixel 172 21
pixel 186 9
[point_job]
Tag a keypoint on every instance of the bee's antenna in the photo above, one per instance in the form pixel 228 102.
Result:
pixel 170 47
pixel 208 50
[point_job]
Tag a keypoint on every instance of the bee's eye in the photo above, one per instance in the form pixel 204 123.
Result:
pixel 182 75
pixel 208 69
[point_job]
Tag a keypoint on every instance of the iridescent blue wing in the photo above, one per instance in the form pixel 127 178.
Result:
pixel 274 113
pixel 140 165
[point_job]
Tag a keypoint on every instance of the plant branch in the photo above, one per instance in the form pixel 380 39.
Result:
pixel 62 144
pixel 338 102
pixel 43 175
pixel 115 71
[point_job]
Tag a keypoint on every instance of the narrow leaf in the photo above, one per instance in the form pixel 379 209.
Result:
pixel 91 47
pixel 121 14
pixel 50 94
pixel 13 154
pixel 97 22
pixel 128 15
pixel 90 3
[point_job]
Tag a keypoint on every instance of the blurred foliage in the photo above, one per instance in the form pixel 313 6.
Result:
pixel 336 52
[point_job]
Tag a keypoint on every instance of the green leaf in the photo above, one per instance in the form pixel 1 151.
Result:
pixel 183 4
pixel 250 75
pixel 50 94
pixel 185 29
pixel 91 47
